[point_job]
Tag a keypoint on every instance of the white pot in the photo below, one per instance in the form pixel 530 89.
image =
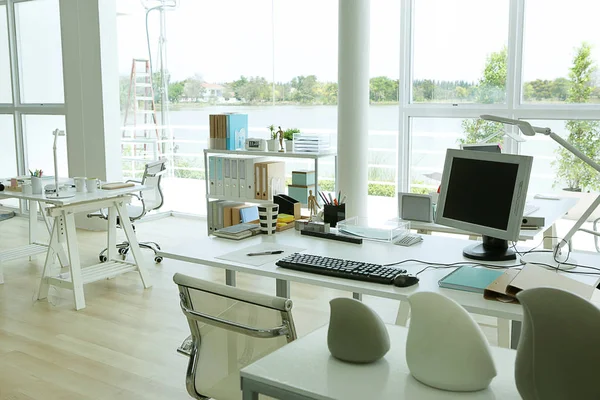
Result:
pixel 289 146
pixel 273 144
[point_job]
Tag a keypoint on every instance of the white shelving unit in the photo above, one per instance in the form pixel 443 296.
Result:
pixel 310 156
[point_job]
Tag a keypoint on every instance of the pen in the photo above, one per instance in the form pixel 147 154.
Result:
pixel 265 253
pixel 323 197
pixel 330 199
pixel 343 200
pixel 339 196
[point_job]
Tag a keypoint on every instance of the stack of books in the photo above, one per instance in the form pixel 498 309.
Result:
pixel 228 131
pixel 311 143
pixel 237 232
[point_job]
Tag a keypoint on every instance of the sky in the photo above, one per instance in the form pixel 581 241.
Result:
pixel 221 40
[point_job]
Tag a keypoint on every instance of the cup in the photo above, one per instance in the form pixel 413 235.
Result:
pixel 91 184
pixel 267 214
pixel 36 185
pixel 79 183
pixel 27 188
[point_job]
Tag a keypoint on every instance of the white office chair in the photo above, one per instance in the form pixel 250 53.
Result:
pixel 231 328
pixel 150 199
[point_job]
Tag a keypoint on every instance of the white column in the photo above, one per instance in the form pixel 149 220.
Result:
pixel 353 103
pixel 91 79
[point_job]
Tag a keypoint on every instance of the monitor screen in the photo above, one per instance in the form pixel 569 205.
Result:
pixel 484 193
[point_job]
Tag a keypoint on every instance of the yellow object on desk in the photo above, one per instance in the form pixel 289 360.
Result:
pixel 285 218
pixel 117 185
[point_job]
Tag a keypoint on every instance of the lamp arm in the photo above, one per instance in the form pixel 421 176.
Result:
pixel 55 163
pixel 573 150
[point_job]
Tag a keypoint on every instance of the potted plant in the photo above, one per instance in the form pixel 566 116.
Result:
pixel 288 135
pixel 272 143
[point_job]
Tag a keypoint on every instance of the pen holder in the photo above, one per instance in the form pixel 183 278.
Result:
pixel 36 185
pixel 267 214
pixel 333 214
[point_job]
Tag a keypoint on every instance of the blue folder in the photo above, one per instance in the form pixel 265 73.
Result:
pixel 470 279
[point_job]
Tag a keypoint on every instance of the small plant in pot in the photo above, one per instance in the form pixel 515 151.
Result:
pixel 272 143
pixel 288 135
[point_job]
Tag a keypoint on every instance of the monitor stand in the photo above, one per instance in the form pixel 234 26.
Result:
pixel 492 249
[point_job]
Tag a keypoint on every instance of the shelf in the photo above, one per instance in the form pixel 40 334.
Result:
pixel 256 201
pixel 98 272
pixel 23 251
pixel 310 156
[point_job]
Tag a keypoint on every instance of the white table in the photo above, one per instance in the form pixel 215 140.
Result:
pixel 304 369
pixel 63 212
pixel 551 210
pixel 432 249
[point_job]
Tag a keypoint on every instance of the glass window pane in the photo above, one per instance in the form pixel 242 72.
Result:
pixel 8 161
pixel 39 139
pixel 5 86
pixel 459 51
pixel 561 52
pixel 555 168
pixel 40 61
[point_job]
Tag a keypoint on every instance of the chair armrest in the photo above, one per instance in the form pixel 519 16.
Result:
pixel 133 180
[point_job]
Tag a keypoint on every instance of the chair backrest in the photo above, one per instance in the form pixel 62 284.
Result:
pixel 231 328
pixel 153 198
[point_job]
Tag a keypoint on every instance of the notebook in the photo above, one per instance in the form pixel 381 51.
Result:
pixel 470 279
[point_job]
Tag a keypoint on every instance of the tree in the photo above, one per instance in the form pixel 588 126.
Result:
pixel 193 88
pixel 383 88
pixel 584 135
pixel 253 89
pixel 491 89
pixel 176 91
pixel 304 88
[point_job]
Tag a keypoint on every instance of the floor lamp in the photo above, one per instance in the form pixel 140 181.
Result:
pixel 555 259
pixel 57 194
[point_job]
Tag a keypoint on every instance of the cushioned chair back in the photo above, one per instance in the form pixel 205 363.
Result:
pixel 153 198
pixel 231 328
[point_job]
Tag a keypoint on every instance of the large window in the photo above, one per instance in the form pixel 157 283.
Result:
pixel 40 61
pixel 459 50
pixel 31 87
pixel 561 48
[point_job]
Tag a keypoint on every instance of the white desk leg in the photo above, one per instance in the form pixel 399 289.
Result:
pixel 503 333
pixel 33 208
pixel 48 270
pixel 230 277
pixel 550 239
pixel 58 248
pixel 403 313
pixel 111 244
pixel 74 261
pixel 133 243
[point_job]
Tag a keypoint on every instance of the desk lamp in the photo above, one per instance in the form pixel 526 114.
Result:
pixel 556 258
pixel 57 194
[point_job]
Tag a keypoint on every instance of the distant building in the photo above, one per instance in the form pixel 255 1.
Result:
pixel 213 92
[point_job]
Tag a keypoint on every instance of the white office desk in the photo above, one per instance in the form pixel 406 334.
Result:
pixel 63 212
pixel 431 249
pixel 304 369
pixel 551 210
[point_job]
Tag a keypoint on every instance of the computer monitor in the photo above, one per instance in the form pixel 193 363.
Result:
pixel 489 147
pixel 484 193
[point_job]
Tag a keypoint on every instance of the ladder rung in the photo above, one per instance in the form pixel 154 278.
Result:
pixel 141 74
pixel 146 111
pixel 143 98
pixel 140 84
pixel 140 60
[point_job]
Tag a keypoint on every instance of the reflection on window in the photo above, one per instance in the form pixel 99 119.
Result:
pixel 8 161
pixel 5 86
pixel 561 65
pixel 38 132
pixel 460 52
pixel 40 61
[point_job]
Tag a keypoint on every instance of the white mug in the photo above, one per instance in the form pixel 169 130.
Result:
pixel 27 189
pixel 80 183
pixel 91 184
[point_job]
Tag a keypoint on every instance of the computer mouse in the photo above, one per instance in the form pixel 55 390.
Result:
pixel 404 280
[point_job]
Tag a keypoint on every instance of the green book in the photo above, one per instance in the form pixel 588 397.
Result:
pixel 470 279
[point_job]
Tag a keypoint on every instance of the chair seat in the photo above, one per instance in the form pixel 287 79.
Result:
pixel 134 211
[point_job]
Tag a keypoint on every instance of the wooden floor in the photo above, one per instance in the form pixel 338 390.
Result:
pixel 123 345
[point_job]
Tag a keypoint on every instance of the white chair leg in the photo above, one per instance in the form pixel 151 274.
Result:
pixel 503 333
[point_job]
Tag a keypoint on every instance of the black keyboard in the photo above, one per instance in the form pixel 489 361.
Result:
pixel 337 267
